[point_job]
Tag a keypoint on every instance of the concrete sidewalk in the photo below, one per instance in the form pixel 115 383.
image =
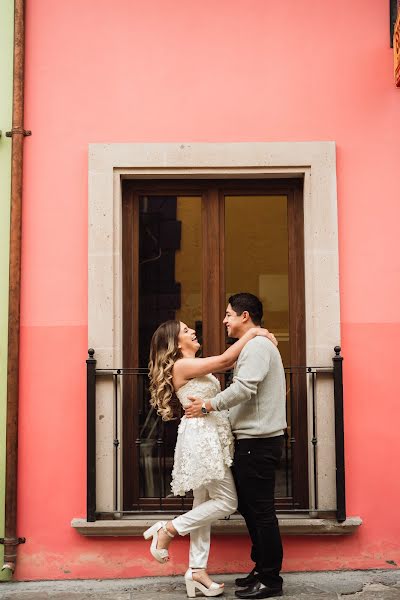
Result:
pixel 357 585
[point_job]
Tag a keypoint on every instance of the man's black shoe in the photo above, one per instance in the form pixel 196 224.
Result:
pixel 250 579
pixel 259 590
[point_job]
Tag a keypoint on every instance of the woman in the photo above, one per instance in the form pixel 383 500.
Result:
pixel 204 448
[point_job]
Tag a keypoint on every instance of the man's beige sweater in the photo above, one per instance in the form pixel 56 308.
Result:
pixel 256 399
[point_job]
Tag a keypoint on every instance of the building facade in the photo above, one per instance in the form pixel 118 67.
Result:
pixel 181 152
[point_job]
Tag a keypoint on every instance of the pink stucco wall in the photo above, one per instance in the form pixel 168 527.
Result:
pixel 204 71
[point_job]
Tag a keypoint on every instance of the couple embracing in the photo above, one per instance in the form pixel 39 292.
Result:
pixel 241 427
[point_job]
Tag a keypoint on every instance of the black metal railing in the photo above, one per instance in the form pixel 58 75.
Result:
pixel 154 453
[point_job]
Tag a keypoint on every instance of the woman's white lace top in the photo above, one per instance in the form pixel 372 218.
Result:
pixel 204 446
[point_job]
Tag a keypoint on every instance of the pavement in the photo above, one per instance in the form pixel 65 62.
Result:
pixel 332 585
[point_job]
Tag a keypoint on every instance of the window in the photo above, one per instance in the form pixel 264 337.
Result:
pixel 187 246
pixel 113 168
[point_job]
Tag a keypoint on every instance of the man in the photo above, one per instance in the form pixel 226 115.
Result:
pixel 256 400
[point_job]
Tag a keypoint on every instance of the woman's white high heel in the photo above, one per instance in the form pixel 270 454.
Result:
pixel 160 554
pixel 191 585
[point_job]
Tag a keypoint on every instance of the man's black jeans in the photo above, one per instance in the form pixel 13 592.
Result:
pixel 254 467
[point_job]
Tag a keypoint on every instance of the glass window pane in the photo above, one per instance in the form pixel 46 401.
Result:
pixel 256 261
pixel 170 282
pixel 256 258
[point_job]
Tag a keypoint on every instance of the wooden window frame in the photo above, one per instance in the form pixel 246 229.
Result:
pixel 213 297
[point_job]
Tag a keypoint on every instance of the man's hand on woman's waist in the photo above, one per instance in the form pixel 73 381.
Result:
pixel 195 410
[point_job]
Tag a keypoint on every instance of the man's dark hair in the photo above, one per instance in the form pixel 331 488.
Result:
pixel 247 302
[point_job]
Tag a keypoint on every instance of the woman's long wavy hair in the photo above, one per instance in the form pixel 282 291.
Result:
pixel 164 352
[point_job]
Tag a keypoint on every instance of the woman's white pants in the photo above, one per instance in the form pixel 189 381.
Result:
pixel 213 501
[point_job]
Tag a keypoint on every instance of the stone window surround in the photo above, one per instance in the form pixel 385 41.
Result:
pixel 313 161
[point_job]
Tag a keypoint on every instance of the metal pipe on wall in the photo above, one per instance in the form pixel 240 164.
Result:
pixel 11 541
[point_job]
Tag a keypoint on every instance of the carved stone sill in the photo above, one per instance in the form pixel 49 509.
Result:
pixel 233 526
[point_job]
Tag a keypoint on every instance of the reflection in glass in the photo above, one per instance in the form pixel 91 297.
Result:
pixel 169 288
pixel 256 257
pixel 256 261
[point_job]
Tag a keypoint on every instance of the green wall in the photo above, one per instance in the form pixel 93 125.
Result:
pixel 6 71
